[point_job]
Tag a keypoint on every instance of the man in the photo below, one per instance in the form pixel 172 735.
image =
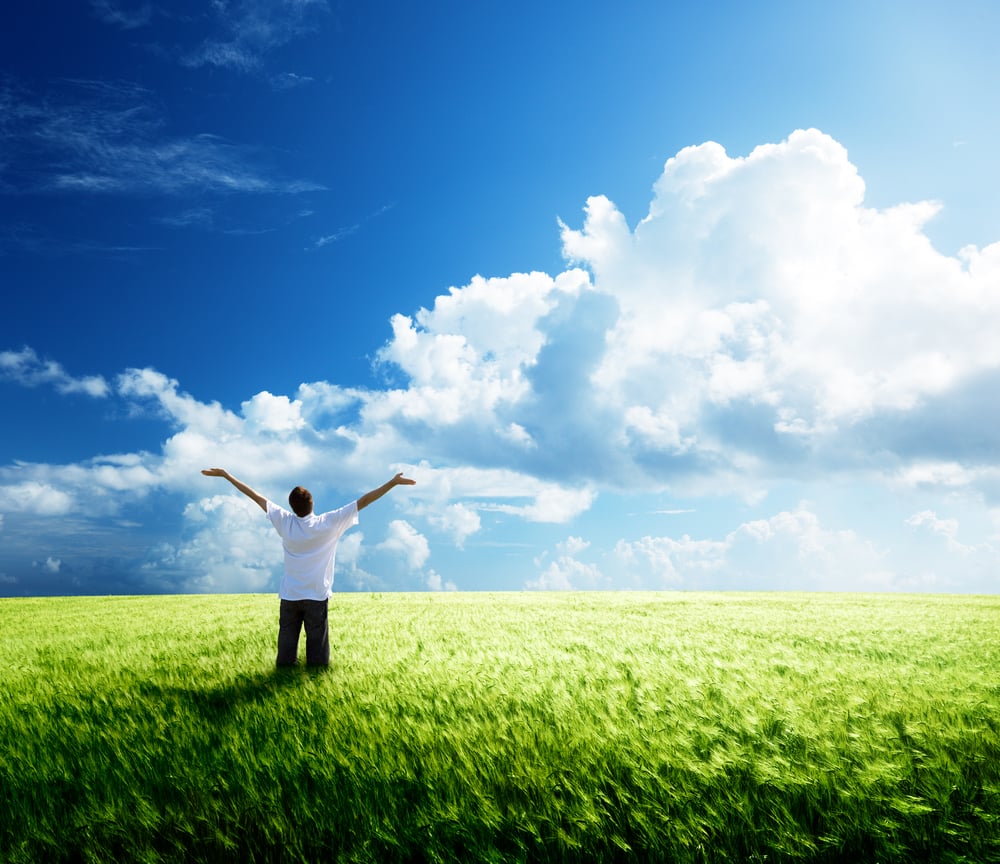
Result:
pixel 310 544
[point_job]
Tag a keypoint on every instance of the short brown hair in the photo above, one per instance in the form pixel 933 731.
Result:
pixel 301 501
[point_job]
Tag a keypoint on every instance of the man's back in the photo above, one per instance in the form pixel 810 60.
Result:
pixel 310 544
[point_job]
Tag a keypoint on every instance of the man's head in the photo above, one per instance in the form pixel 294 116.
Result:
pixel 301 501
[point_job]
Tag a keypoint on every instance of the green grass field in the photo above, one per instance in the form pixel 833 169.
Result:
pixel 504 727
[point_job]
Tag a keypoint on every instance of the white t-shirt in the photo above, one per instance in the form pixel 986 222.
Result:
pixel 310 547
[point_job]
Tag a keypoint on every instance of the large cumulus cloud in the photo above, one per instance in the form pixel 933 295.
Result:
pixel 759 319
pixel 766 311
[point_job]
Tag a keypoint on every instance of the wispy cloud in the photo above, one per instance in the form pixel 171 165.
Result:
pixel 25 367
pixel 348 230
pixel 193 217
pixel 233 223
pixel 249 30
pixel 239 36
pixel 32 240
pixel 289 80
pixel 125 16
pixel 337 235
pixel 109 137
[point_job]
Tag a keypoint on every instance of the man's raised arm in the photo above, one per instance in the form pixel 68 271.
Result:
pixel 256 497
pixel 375 494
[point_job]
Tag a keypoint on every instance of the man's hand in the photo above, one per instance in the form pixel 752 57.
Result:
pixel 253 495
pixel 375 494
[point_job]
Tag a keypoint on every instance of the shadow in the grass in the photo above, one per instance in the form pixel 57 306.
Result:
pixel 219 701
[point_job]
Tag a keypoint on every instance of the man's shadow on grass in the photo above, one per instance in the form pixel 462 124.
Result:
pixel 221 701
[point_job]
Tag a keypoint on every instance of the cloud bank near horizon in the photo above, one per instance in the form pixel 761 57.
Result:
pixel 760 323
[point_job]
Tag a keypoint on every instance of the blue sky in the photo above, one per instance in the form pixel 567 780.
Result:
pixel 648 295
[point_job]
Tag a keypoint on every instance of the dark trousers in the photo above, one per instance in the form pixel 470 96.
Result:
pixel 295 613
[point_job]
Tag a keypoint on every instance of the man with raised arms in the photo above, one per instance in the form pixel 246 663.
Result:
pixel 310 544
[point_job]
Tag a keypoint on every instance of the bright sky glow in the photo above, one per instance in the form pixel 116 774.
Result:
pixel 642 297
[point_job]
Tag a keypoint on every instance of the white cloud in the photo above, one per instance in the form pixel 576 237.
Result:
pixel 467 358
pixel 573 546
pixel 31 496
pixel 566 572
pixel 766 281
pixel 934 473
pixel 790 550
pixel 348 573
pixel 551 504
pixel 947 528
pixel 545 501
pixel 665 562
pixel 404 540
pixel 555 578
pixel 943 562
pixel 49 565
pixel 458 521
pixel 794 550
pixel 230 548
pixel 436 583
pixel 277 414
pixel 349 547
pixel 28 369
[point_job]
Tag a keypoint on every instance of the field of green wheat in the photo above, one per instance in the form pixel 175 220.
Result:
pixel 667 727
